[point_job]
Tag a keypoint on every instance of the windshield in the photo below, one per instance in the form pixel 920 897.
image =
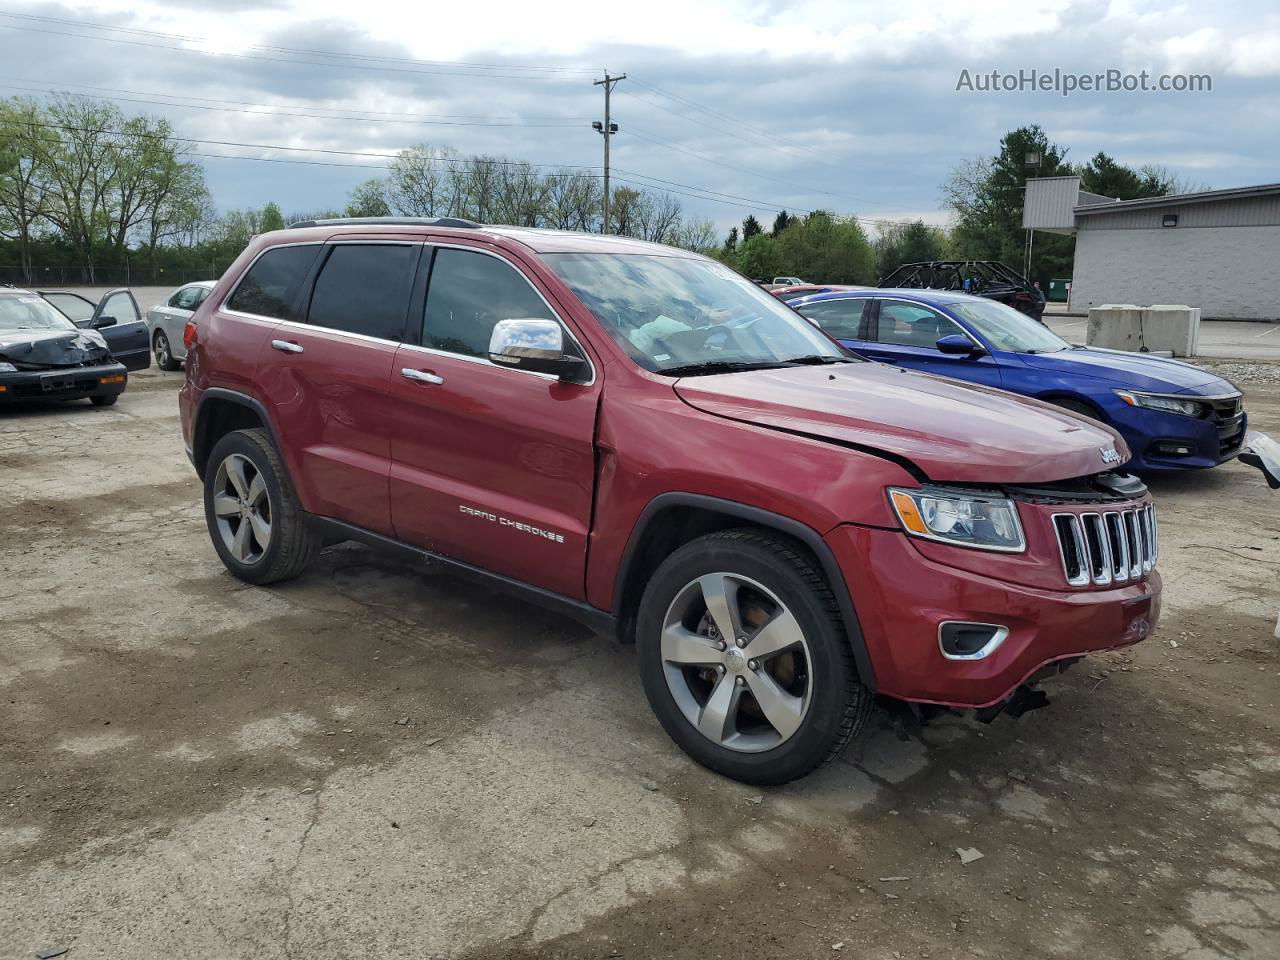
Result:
pixel 1007 329
pixel 676 314
pixel 30 313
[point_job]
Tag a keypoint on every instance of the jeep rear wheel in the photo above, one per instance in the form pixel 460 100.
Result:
pixel 258 529
pixel 745 660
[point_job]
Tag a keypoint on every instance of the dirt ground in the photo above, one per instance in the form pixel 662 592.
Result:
pixel 383 761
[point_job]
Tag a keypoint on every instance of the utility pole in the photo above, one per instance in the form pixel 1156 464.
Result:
pixel 606 130
pixel 1032 160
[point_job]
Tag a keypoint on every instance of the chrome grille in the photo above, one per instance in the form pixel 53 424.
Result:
pixel 1107 546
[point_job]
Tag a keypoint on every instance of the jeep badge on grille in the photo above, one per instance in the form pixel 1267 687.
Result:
pixel 1109 454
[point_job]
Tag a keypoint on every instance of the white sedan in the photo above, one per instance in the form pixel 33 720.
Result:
pixel 166 320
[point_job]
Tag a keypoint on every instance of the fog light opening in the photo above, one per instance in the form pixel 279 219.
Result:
pixel 962 640
pixel 1172 448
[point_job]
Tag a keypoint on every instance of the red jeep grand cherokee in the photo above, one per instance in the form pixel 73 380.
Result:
pixel 642 438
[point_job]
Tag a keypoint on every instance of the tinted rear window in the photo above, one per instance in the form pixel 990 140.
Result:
pixel 364 288
pixel 270 288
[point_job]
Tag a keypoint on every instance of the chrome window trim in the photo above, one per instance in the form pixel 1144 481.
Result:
pixel 990 647
pixel 485 361
pixel 555 314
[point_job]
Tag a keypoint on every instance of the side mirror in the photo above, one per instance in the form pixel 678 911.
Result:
pixel 957 344
pixel 533 344
pixel 104 321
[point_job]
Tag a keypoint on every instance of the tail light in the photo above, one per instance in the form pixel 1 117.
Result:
pixel 189 335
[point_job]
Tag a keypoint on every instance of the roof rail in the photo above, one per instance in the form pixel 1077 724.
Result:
pixel 390 221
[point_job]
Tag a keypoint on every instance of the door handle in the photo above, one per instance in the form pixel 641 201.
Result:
pixel 421 376
pixel 286 346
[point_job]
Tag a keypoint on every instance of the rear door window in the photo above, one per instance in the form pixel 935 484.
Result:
pixel 364 288
pixel 271 287
pixel 468 294
pixel 841 319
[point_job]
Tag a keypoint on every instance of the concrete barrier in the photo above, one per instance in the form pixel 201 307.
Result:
pixel 1160 328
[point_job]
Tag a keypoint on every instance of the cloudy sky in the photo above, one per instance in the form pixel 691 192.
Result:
pixel 739 106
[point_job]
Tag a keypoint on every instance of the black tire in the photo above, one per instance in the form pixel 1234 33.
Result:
pixel 163 351
pixel 293 543
pixel 838 702
pixel 1078 407
pixel 107 400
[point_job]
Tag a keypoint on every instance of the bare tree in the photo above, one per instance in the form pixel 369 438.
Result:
pixel 658 217
pixel 573 201
pixel 418 186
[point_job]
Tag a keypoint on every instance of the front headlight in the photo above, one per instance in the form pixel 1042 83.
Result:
pixel 6 367
pixel 1156 401
pixel 952 517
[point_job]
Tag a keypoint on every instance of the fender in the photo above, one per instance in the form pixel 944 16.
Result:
pixel 764 518
pixel 199 451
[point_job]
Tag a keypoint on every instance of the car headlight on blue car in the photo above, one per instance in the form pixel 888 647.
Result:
pixel 6 367
pixel 1161 402
pixel 948 516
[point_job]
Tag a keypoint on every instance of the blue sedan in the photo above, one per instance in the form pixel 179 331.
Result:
pixel 1171 414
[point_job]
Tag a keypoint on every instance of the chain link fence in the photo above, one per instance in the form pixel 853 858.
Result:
pixel 65 275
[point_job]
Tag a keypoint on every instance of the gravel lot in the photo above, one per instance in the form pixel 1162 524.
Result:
pixel 378 760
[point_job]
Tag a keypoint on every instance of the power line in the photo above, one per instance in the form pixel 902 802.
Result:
pixel 276 146
pixel 249 103
pixel 297 50
pixel 312 116
pixel 723 116
pixel 631 131
pixel 763 204
pixel 313 63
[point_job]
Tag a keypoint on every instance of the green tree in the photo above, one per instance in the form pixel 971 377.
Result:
pixel 1104 175
pixel 759 257
pixel 750 228
pixel 781 222
pixel 900 243
pixel 369 200
pixel 271 218
pixel 825 248
pixel 986 196
pixel 23 187
pixel 731 242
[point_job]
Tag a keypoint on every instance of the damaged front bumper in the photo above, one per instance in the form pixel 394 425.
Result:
pixel 63 383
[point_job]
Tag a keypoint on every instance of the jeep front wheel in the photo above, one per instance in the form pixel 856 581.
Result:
pixel 745 660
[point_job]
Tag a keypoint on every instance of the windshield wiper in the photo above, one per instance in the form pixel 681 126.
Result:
pixel 818 359
pixel 720 366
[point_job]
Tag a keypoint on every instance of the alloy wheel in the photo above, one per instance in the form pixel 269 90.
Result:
pixel 162 350
pixel 242 508
pixel 736 662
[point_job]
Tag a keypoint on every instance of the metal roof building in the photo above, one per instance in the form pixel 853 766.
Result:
pixel 1218 250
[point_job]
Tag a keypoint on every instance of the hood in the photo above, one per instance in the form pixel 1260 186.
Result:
pixel 53 348
pixel 953 432
pixel 1138 371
